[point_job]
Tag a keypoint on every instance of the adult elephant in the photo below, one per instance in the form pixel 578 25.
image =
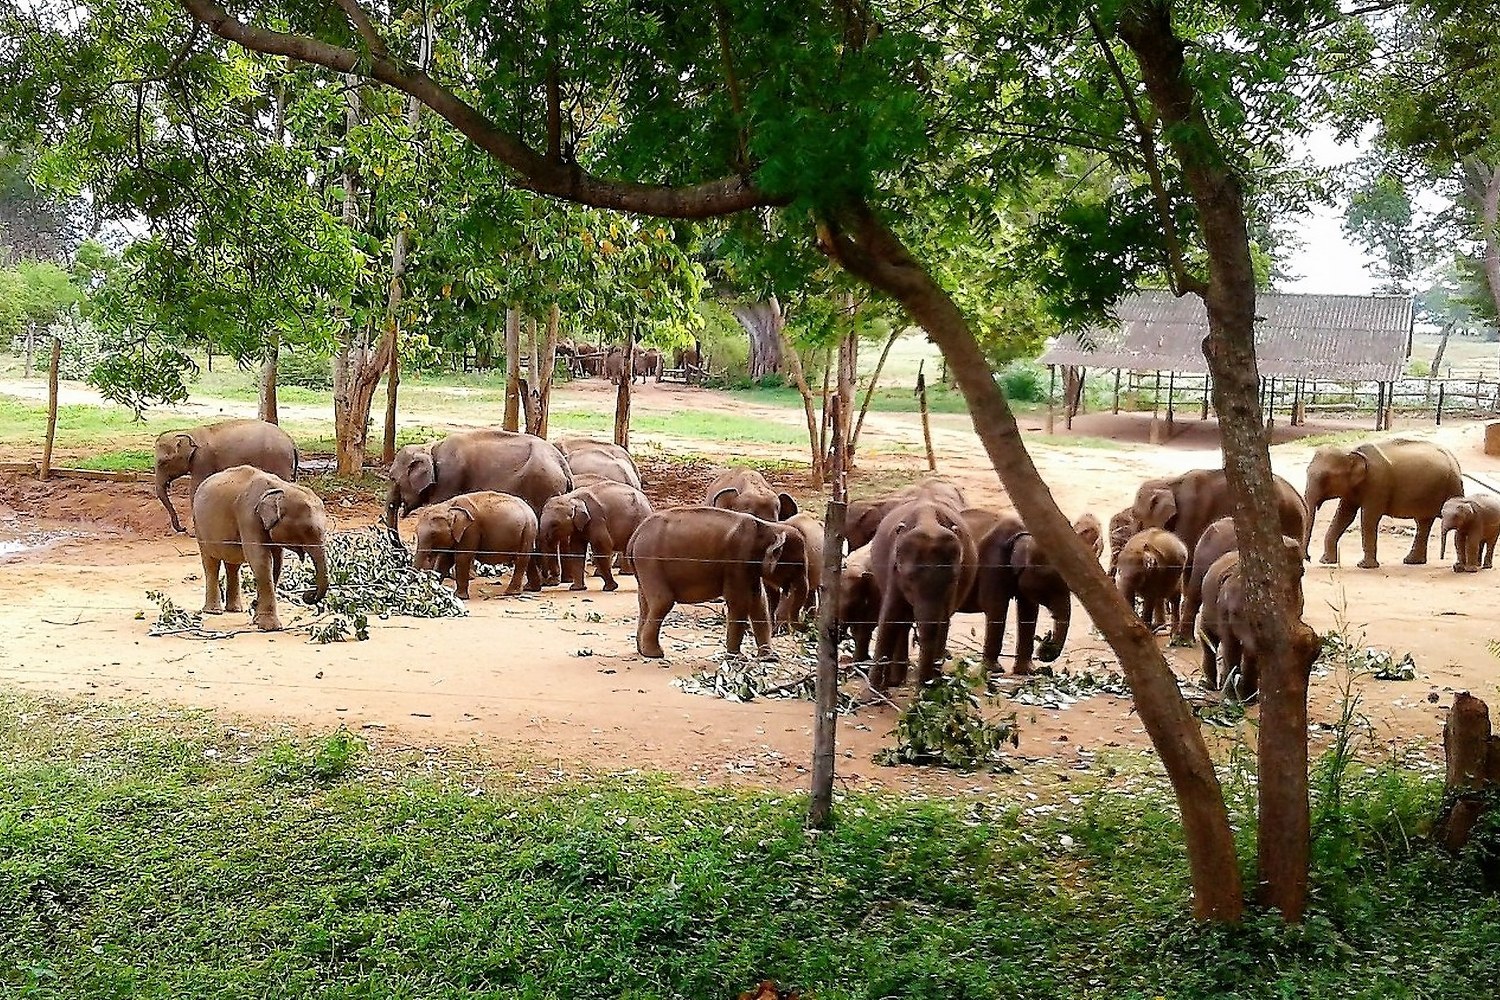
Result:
pixel 1187 504
pixel 1401 477
pixel 748 492
pixel 199 452
pixel 522 465
pixel 864 516
pixel 244 515
pixel 587 457
pixel 924 561
pixel 647 364
pixel 614 364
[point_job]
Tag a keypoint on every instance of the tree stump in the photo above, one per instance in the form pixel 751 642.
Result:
pixel 1492 438
pixel 1473 756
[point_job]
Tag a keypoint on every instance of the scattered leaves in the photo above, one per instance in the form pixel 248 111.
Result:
pixel 945 727
pixel 1381 664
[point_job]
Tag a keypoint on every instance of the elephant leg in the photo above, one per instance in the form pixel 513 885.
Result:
pixel 891 630
pixel 1026 615
pixel 463 569
pixel 1369 535
pixel 576 564
pixel 523 568
pixel 994 639
pixel 276 557
pixel 1418 554
pixel 233 601
pixel 602 563
pixel 266 618
pixel 1342 518
pixel 653 610
pixel 1061 610
pixel 1230 661
pixel 1472 545
pixel 212 603
pixel 1488 548
pixel 901 653
pixel 863 632
pixel 1187 613
pixel 760 624
pixel 934 646
pixel 1174 609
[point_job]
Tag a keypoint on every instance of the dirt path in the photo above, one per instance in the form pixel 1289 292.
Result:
pixel 553 681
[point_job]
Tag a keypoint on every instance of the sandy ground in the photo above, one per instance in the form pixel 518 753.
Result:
pixel 553 681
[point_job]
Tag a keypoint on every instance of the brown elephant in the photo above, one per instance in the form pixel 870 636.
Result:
pixel 244 515
pixel 604 459
pixel 747 491
pixel 1231 652
pixel 646 364
pixel 589 359
pixel 1151 568
pixel 483 526
pixel 813 538
pixel 599 518
pixel 1092 533
pixel 614 364
pixel 1122 528
pixel 863 517
pixel 1219 539
pixel 472 461
pixel 1475 523
pixel 1401 477
pixel 924 560
pixel 687 357
pixel 695 554
pixel 1012 567
pixel 1187 504
pixel 859 601
pixel 199 452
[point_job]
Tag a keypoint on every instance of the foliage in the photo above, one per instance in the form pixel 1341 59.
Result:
pixel 1024 382
pixel 945 726
pixel 369 574
pixel 170 618
pixel 742 679
pixel 330 759
pixel 1381 664
pixel 307 368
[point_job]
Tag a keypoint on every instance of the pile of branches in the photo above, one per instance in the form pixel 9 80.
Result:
pixel 945 726
pixel 739 678
pixel 1381 664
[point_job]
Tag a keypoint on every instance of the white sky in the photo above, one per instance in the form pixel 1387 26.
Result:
pixel 1328 263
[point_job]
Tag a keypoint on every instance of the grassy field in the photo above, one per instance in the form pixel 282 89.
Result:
pixel 152 854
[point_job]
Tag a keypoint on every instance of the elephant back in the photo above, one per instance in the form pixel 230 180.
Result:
pixel 522 465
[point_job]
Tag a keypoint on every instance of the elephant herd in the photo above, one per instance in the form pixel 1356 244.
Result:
pixel 608 361
pixel 917 556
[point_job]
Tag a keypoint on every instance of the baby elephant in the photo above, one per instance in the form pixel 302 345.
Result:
pixel 1231 655
pixel 486 527
pixel 600 518
pixel 244 515
pixel 697 554
pixel 1475 523
pixel 1150 572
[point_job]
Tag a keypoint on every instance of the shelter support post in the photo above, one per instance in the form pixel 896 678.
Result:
pixel 1051 397
pixel 1204 414
pixel 1271 403
pixel 1379 406
pixel 1156 411
pixel 1117 392
pixel 1441 387
pixel 1171 392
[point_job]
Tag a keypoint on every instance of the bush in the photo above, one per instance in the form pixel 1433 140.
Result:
pixel 1024 382
pixel 307 369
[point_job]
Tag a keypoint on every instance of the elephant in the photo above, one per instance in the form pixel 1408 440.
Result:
pixel 246 515
pixel 1122 528
pixel 863 517
pixel 600 517
pixel 590 359
pixel 859 601
pixel 813 537
pixel 200 452
pixel 600 458
pixel 1012 567
pixel 924 560
pixel 695 554
pixel 1231 653
pixel 1151 568
pixel 1092 533
pixel 614 364
pixel 687 357
pixel 747 491
pixel 1475 523
pixel 1400 477
pixel 470 461
pixel 1220 538
pixel 483 526
pixel 646 364
pixel 1187 504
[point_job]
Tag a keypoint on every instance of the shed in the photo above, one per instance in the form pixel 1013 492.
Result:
pixel 1345 338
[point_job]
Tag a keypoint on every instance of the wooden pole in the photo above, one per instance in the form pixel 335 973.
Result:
pixel 1441 386
pixel 1117 392
pixel 870 391
pixel 926 423
pixel 1156 411
pixel 1051 403
pixel 826 712
pixel 46 469
pixel 1171 396
pixel 1379 404
pixel 622 394
pixel 1204 414
pixel 512 369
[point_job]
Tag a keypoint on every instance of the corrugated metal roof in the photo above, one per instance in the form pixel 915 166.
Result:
pixel 1342 337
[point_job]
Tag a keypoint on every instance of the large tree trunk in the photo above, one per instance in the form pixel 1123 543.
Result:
pixel 870 251
pixel 763 323
pixel 848 372
pixel 268 410
pixel 1490 219
pixel 1289 646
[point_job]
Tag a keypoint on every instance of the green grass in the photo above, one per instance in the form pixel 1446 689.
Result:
pixel 940 398
pixel 124 460
pixel 707 425
pixel 147 853
pixel 24 423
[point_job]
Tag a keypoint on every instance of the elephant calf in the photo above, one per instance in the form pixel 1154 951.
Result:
pixel 1012 567
pixel 484 526
pixel 1475 523
pixel 748 492
pixel 243 515
pixel 697 554
pixel 813 536
pixel 1150 573
pixel 1216 541
pixel 605 459
pixel 1122 528
pixel 599 518
pixel 1231 651
pixel 859 601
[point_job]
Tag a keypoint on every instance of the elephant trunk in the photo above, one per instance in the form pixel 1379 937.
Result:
pixel 1051 645
pixel 319 557
pixel 162 482
pixel 1314 500
pixel 392 512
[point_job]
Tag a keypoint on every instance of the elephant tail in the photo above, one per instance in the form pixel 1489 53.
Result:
pixel 296 465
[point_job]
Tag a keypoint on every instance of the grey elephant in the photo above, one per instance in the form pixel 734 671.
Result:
pixel 1219 539
pixel 748 492
pixel 1400 477
pixel 1013 568
pixel 598 519
pixel 605 459
pixel 471 461
pixel 863 517
pixel 695 554
pixel 1187 504
pixel 246 516
pixel 1231 654
pixel 1122 528
pixel 199 452
pixel 1475 523
pixel 813 536
pixel 484 526
pixel 859 601
pixel 614 364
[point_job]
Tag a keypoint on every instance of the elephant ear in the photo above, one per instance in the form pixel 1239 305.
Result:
pixel 788 506
pixel 421 473
pixel 1164 508
pixel 269 508
pixel 580 516
pixel 460 519
pixel 773 555
pixel 724 497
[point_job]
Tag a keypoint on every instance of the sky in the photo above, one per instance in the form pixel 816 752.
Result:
pixel 1328 263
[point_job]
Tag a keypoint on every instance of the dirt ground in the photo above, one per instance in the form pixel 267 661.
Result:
pixel 552 680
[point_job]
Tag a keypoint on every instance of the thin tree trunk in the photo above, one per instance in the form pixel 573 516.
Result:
pixel 51 438
pixel 825 721
pixel 268 409
pixel 870 391
pixel 1288 646
pixel 512 417
pixel 848 371
pixel 1442 348
pixel 1490 213
pixel 528 390
pixel 865 247
pixel 824 415
pixel 549 362
pixel 392 389
pixel 809 411
pixel 622 395
pixel 926 420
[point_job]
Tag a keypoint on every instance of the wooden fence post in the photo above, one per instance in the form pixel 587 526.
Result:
pixel 1051 392
pixel 926 425
pixel 46 469
pixel 1117 392
pixel 512 417
pixel 825 720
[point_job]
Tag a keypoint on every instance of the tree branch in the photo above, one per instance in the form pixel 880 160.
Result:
pixel 361 22
pixel 723 196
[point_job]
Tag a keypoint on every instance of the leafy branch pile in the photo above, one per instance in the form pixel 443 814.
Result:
pixel 945 727
pixel 170 618
pixel 737 678
pixel 1381 664
pixel 1060 690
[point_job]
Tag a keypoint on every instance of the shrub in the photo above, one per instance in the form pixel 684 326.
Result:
pixel 1024 382
pixel 307 369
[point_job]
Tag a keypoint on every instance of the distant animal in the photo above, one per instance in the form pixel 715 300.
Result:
pixel 522 465
pixel 647 364
pixel 747 491
pixel 687 357
pixel 589 359
pixel 199 452
pixel 614 364
pixel 484 526
pixel 600 458
pixel 1150 575
pixel 1231 653
pixel 1400 477
pixel 245 515
pixel 597 519
pixel 1475 523
pixel 863 517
